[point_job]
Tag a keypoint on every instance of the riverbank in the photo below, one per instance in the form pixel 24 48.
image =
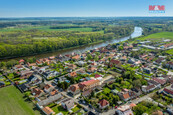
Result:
pixel 60 50
pixel 34 54
pixel 81 49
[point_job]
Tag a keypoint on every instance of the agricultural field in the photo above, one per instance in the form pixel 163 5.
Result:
pixel 45 28
pixel 157 36
pixel 13 103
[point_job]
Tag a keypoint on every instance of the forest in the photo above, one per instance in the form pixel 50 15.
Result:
pixel 23 37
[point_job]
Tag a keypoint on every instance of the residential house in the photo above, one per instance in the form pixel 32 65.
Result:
pixel 18 67
pixel 24 87
pixel 81 71
pixel 91 84
pixel 49 74
pixel 77 57
pixel 115 62
pixel 37 92
pixel 72 74
pixel 169 65
pixel 74 89
pixel 68 104
pixel 38 62
pixel 30 65
pixel 149 88
pixel 154 82
pixel 2 84
pixel 132 95
pixel 91 69
pixel 48 111
pixel 168 91
pixel 80 63
pixel 131 61
pixel 53 92
pixel 21 61
pixel 48 88
pixel 52 58
pixel 25 74
pixel 97 75
pixel 49 100
pixel 124 96
pixel 147 70
pixel 103 104
pixel 168 45
pixel 87 93
pixel 34 80
pixel 114 91
pixel 71 67
pixel 160 81
pixel 94 64
pixel 124 110
pixel 159 61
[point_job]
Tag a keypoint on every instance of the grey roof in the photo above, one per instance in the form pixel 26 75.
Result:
pixel 2 83
pixel 69 103
pixel 49 100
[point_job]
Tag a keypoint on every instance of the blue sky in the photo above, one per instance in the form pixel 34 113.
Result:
pixel 80 8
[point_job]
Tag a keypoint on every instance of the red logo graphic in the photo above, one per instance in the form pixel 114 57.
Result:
pixel 156 7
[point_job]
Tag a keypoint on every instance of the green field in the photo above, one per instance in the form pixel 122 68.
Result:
pixel 158 36
pixel 170 51
pixel 13 103
pixel 45 28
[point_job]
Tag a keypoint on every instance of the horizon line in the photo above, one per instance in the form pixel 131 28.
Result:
pixel 82 16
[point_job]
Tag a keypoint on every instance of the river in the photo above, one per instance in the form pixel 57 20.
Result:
pixel 137 32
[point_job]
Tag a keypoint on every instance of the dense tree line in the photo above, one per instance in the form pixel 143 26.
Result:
pixel 23 43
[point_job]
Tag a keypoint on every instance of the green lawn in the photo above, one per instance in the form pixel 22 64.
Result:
pixel 13 103
pixel 170 51
pixel 75 109
pixel 58 109
pixel 158 36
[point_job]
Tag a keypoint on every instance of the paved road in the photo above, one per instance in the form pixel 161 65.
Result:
pixel 77 101
pixel 136 101
pixel 146 96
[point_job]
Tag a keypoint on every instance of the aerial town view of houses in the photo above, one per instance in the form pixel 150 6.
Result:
pixel 86 57
pixel 122 78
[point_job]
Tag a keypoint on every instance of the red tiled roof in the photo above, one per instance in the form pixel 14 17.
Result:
pixel 37 91
pixel 76 57
pixel 161 81
pixel 54 92
pixel 103 102
pixel 97 75
pixel 132 105
pixel 47 86
pixel 74 87
pixel 48 110
pixel 167 45
pixel 150 87
pixel 126 96
pixel 115 61
pixel 73 74
pixel 168 91
pixel 20 61
pixel 90 82
pixel 170 63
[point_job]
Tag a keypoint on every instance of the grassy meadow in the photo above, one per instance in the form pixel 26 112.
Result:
pixel 157 36
pixel 13 103
pixel 45 28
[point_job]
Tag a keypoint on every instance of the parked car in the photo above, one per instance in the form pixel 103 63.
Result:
pixel 90 106
pixel 85 109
